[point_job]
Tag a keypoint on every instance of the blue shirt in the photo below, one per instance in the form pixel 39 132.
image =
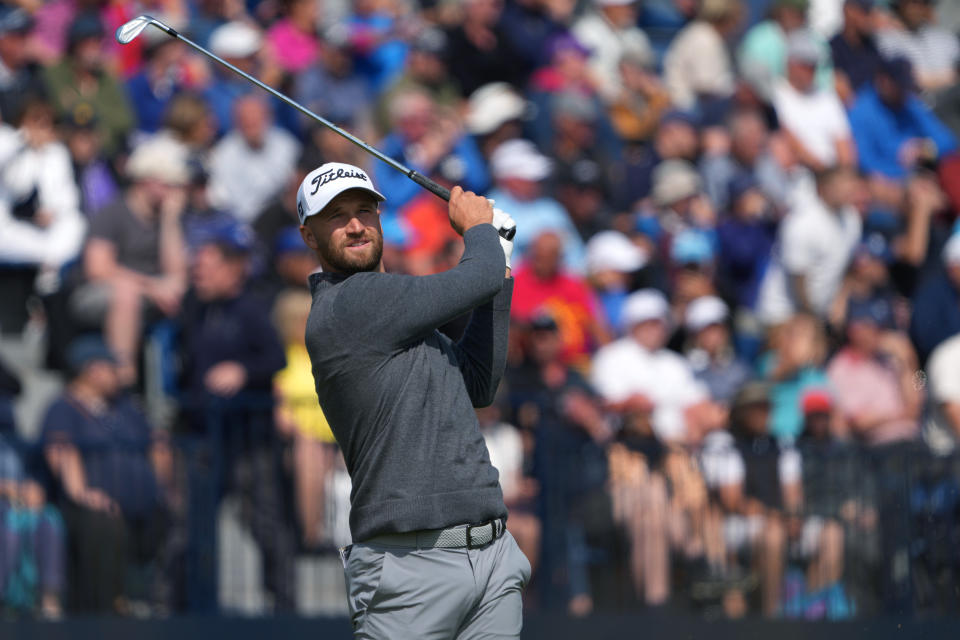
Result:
pixel 114 447
pixel 880 132
pixel 149 106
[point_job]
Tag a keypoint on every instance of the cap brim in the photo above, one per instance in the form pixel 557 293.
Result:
pixel 376 194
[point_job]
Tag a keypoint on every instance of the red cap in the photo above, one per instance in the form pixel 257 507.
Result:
pixel 816 401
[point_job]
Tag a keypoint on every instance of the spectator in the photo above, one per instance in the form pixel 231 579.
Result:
pixel 330 86
pixel 751 155
pixel 854 49
pixel 640 378
pixel 32 539
pixel 105 461
pixel 936 304
pixel 230 355
pixel 813 119
pixel 376 41
pixel 744 240
pixel 21 79
pixel 793 366
pixel 93 171
pixel 292 39
pixel 426 71
pixel 894 131
pixel 760 487
pixel 815 244
pixel 942 430
pixel 154 86
pixel 710 352
pixel 933 52
pixel 642 99
pixel 762 55
pixel 253 163
pixel 581 191
pixel 609 30
pixel 541 286
pixel 518 171
pixel 189 121
pixel 40 219
pixel 528 28
pixel 612 260
pixel 239 43
pixel 509 456
pixel 82 77
pixel 697 69
pixel 134 264
pixel 874 379
pixel 677 193
pixel 301 419
pixel 479 49
pixel 868 283
pixel 425 137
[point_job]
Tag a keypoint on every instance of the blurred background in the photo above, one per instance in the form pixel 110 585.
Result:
pixel 733 388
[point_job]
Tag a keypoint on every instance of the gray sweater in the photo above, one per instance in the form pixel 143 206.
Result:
pixel 399 395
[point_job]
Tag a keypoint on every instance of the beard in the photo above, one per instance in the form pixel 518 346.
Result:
pixel 346 261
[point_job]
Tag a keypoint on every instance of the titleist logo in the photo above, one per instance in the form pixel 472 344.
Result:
pixel 330 175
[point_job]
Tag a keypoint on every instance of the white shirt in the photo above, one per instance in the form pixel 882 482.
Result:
pixel 723 465
pixel 607 45
pixel 505 447
pixel 624 368
pixel 697 62
pixel 943 372
pixel 816 118
pixel 816 243
pixel 244 180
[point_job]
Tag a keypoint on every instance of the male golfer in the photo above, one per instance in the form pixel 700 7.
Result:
pixel 431 557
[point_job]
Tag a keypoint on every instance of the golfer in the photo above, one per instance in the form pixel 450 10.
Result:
pixel 431 557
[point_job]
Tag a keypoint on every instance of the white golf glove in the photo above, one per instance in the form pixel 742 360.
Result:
pixel 501 221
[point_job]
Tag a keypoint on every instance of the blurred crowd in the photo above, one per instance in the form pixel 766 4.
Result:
pixel 737 292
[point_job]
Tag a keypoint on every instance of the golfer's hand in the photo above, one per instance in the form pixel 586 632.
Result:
pixel 467 210
pixel 503 221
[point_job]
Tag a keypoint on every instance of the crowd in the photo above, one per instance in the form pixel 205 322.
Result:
pixel 737 283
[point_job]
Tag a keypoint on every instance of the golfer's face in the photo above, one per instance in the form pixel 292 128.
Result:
pixel 348 233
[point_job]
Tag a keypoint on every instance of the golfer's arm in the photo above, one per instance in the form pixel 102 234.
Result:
pixel 482 351
pixel 395 310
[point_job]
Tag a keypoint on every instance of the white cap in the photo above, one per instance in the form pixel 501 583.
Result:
pixel 159 158
pixel 646 304
pixel 326 182
pixel 493 105
pixel 235 40
pixel 674 180
pixel 705 311
pixel 613 251
pixel 951 250
pixel 519 158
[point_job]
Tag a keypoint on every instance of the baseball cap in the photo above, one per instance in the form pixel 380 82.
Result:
pixel 565 42
pixel 87 349
pixel 740 184
pixel 900 71
pixel 951 250
pixel 801 47
pixel 493 105
pixel 678 116
pixel 704 312
pixel 229 234
pixel 584 173
pixel 430 40
pixel 613 251
pixel 875 245
pixel 542 320
pixel 326 182
pixel 875 311
pixel 14 20
pixel 519 158
pixel 644 305
pixel 235 40
pixel 752 393
pixel 691 247
pixel 816 401
pixel 84 26
pixel 674 180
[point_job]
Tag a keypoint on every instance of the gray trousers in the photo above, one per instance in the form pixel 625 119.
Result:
pixel 436 594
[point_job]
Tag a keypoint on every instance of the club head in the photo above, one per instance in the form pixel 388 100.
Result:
pixel 128 32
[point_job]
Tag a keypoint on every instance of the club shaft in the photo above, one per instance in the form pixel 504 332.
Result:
pixel 419 178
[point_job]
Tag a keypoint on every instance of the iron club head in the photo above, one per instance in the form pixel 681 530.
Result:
pixel 128 32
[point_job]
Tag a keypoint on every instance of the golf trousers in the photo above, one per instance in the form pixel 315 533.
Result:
pixel 395 593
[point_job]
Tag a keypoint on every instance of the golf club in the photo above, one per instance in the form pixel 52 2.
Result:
pixel 129 31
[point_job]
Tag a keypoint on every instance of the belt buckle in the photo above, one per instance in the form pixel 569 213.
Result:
pixel 469 538
pixel 493 533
